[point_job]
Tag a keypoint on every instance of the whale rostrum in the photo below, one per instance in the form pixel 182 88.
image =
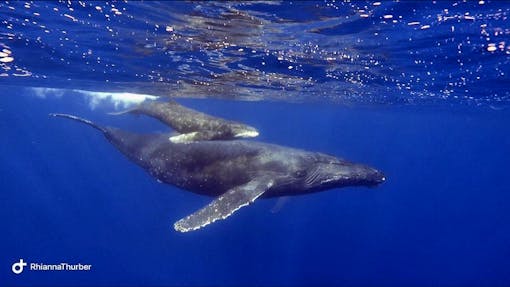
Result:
pixel 235 172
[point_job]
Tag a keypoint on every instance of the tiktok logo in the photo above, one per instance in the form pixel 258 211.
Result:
pixel 17 267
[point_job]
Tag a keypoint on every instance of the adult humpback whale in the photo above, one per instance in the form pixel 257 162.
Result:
pixel 193 125
pixel 236 172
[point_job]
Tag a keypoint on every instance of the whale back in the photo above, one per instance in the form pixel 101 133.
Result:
pixel 208 167
pixel 136 146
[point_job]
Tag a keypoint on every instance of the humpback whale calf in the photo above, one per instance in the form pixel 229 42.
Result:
pixel 192 125
pixel 235 172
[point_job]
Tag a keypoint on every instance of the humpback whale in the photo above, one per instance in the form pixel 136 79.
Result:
pixel 234 172
pixel 192 125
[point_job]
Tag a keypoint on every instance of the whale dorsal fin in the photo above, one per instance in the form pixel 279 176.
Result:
pixel 226 204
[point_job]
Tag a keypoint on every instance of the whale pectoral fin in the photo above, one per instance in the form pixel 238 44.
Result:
pixel 226 204
pixel 183 138
pixel 194 136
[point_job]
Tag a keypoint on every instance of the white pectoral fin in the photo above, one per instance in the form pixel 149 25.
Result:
pixel 225 205
pixel 183 138
pixel 195 136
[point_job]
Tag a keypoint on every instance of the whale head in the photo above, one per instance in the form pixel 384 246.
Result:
pixel 333 173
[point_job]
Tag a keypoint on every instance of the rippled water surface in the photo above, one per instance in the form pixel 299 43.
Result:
pixel 410 52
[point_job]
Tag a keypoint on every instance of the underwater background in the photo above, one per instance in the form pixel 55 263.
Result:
pixel 417 89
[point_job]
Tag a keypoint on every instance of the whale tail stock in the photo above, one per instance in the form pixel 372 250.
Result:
pixel 81 120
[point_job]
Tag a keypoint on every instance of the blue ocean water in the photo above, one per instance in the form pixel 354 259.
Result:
pixel 417 89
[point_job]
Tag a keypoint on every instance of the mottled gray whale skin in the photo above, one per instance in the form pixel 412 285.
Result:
pixel 235 172
pixel 192 125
